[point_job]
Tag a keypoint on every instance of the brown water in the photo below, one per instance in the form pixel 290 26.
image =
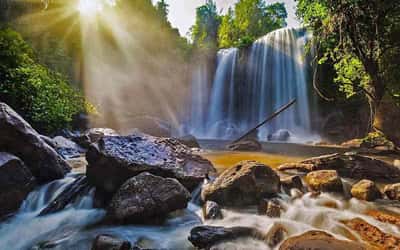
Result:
pixel 225 159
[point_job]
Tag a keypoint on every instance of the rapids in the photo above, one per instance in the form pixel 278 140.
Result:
pixel 77 225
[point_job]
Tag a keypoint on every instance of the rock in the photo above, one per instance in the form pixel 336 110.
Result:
pixel 385 217
pixel 271 208
pixel 365 190
pixel 147 197
pixel 392 191
pixel 291 182
pixel 189 140
pixel 19 138
pixel 67 148
pixel 243 184
pixel 280 135
pixel 318 240
pixel 211 210
pixel 115 159
pixel 373 235
pixel 246 145
pixel 324 181
pixel 76 189
pixel 16 181
pixel 152 125
pixel 92 135
pixel 276 235
pixel 204 237
pixel 108 242
pixel 349 165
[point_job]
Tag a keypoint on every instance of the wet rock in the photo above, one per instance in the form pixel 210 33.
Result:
pixel 280 135
pixel 78 188
pixel 16 181
pixel 108 242
pixel 67 148
pixel 365 190
pixel 114 159
pixel 211 210
pixel 385 217
pixel 152 125
pixel 291 182
pixel 92 135
pixel 272 208
pixel 19 138
pixel 324 181
pixel 246 145
pixel 243 184
pixel 204 237
pixel 318 240
pixel 392 191
pixel 147 197
pixel 276 235
pixel 373 235
pixel 189 140
pixel 349 165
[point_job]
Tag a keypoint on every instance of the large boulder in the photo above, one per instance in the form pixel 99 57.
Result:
pixel 109 242
pixel 365 190
pixel 349 165
pixel 243 184
pixel 392 191
pixel 16 181
pixel 147 197
pixel 19 138
pixel 324 181
pixel 67 148
pixel 204 237
pixel 115 159
pixel 246 145
pixel 373 235
pixel 318 240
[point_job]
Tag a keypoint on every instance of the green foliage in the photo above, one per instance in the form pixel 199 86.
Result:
pixel 359 39
pixel 42 96
pixel 250 20
pixel 205 30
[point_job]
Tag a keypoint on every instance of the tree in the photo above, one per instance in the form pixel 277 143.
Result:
pixel 360 38
pixel 162 9
pixel 250 20
pixel 205 30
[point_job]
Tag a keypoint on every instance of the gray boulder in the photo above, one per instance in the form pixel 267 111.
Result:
pixel 147 197
pixel 115 159
pixel 16 181
pixel 19 138
pixel 243 184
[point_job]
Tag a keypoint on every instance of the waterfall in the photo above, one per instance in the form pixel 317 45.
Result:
pixel 246 91
pixel 276 74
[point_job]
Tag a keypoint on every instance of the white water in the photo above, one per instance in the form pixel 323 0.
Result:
pixel 275 73
pixel 70 229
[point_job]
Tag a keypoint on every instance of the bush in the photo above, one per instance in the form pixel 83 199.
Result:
pixel 43 97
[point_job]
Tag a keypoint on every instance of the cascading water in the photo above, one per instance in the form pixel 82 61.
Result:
pixel 276 74
pixel 244 95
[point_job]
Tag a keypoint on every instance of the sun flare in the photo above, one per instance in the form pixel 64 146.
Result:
pixel 93 7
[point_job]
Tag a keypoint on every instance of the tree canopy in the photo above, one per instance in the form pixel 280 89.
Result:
pixel 361 41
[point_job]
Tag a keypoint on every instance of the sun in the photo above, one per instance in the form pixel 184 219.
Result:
pixel 93 7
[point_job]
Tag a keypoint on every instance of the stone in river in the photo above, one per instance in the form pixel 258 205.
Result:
pixel 319 240
pixel 365 190
pixel 243 184
pixel 20 139
pixel 16 181
pixel 115 159
pixel 324 181
pixel 392 191
pixel 146 197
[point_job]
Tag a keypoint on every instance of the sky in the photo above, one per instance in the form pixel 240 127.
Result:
pixel 182 12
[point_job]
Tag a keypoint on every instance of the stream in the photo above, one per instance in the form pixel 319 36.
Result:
pixel 77 225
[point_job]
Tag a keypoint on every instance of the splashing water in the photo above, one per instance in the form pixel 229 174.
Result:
pixel 73 228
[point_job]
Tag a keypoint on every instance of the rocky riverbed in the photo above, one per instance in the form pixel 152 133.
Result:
pixel 143 192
